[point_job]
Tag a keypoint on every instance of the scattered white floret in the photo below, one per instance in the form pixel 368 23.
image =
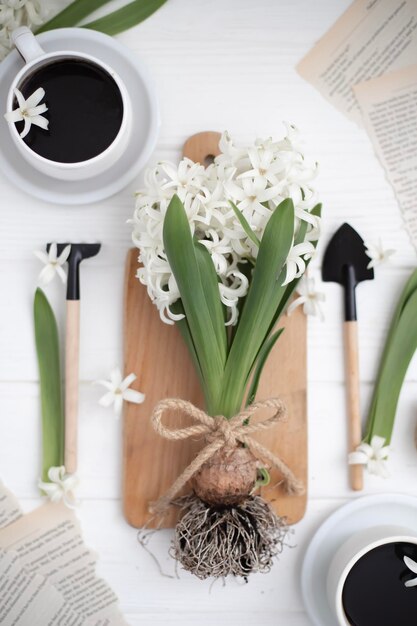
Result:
pixel 308 297
pixel 412 566
pixel 373 456
pixel 29 111
pixel 119 390
pixel 61 487
pixel 377 253
pixel 53 263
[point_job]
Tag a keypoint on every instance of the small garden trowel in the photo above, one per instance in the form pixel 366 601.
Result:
pixel 346 262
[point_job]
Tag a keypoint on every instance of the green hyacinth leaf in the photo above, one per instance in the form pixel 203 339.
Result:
pixel 245 225
pixel 182 257
pixel 260 363
pixel 263 297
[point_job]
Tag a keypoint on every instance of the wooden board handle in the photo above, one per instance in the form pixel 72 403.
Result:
pixel 71 384
pixel 202 146
pixel 354 412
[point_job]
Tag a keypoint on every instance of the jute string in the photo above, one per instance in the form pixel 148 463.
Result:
pixel 219 433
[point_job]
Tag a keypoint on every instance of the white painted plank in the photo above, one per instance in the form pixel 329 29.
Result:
pixel 225 618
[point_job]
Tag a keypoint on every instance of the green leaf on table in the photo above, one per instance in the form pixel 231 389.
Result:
pixel 47 349
pixel 126 17
pixel 408 290
pixel 186 267
pixel 245 224
pixel 72 15
pixel 113 23
pixel 400 347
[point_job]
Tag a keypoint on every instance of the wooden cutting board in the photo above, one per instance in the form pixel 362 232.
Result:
pixel 156 353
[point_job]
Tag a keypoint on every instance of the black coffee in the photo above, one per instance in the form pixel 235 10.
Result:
pixel 374 593
pixel 85 110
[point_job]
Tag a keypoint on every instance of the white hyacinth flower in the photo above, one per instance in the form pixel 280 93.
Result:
pixel 29 111
pixel 53 263
pixel 250 196
pixel 296 259
pixel 256 179
pixel 61 486
pixel 118 390
pixel 265 166
pixel 412 566
pixel 373 456
pixel 377 253
pixel 309 298
pixel 15 13
pixel 230 154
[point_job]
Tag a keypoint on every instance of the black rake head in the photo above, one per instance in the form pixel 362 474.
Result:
pixel 78 252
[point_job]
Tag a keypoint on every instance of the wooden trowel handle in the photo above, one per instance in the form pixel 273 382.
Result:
pixel 71 384
pixel 354 414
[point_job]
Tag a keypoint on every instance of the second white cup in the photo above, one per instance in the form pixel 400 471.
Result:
pixel 357 546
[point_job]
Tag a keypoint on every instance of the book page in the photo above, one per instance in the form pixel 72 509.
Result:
pixel 49 548
pixel 371 38
pixel 10 509
pixel 29 599
pixel 389 109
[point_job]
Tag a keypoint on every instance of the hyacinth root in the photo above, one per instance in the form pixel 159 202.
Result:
pixel 233 540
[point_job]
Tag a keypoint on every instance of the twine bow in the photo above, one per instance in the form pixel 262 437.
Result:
pixel 219 433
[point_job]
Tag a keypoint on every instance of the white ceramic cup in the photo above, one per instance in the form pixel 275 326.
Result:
pixel 34 57
pixel 351 551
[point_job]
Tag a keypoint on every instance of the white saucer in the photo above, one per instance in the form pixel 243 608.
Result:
pixel 144 131
pixel 361 513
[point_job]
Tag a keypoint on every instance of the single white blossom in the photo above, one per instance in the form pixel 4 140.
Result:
pixel 412 566
pixel 15 13
pixel 296 259
pixel 373 456
pixel 377 253
pixel 29 111
pixel 256 178
pixel 118 390
pixel 229 153
pixel 250 197
pixel 53 263
pixel 308 297
pixel 188 176
pixel 265 165
pixel 61 486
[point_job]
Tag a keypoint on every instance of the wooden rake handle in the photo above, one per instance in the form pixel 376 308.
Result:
pixel 353 403
pixel 71 382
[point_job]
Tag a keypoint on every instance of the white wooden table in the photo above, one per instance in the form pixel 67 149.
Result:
pixel 217 65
